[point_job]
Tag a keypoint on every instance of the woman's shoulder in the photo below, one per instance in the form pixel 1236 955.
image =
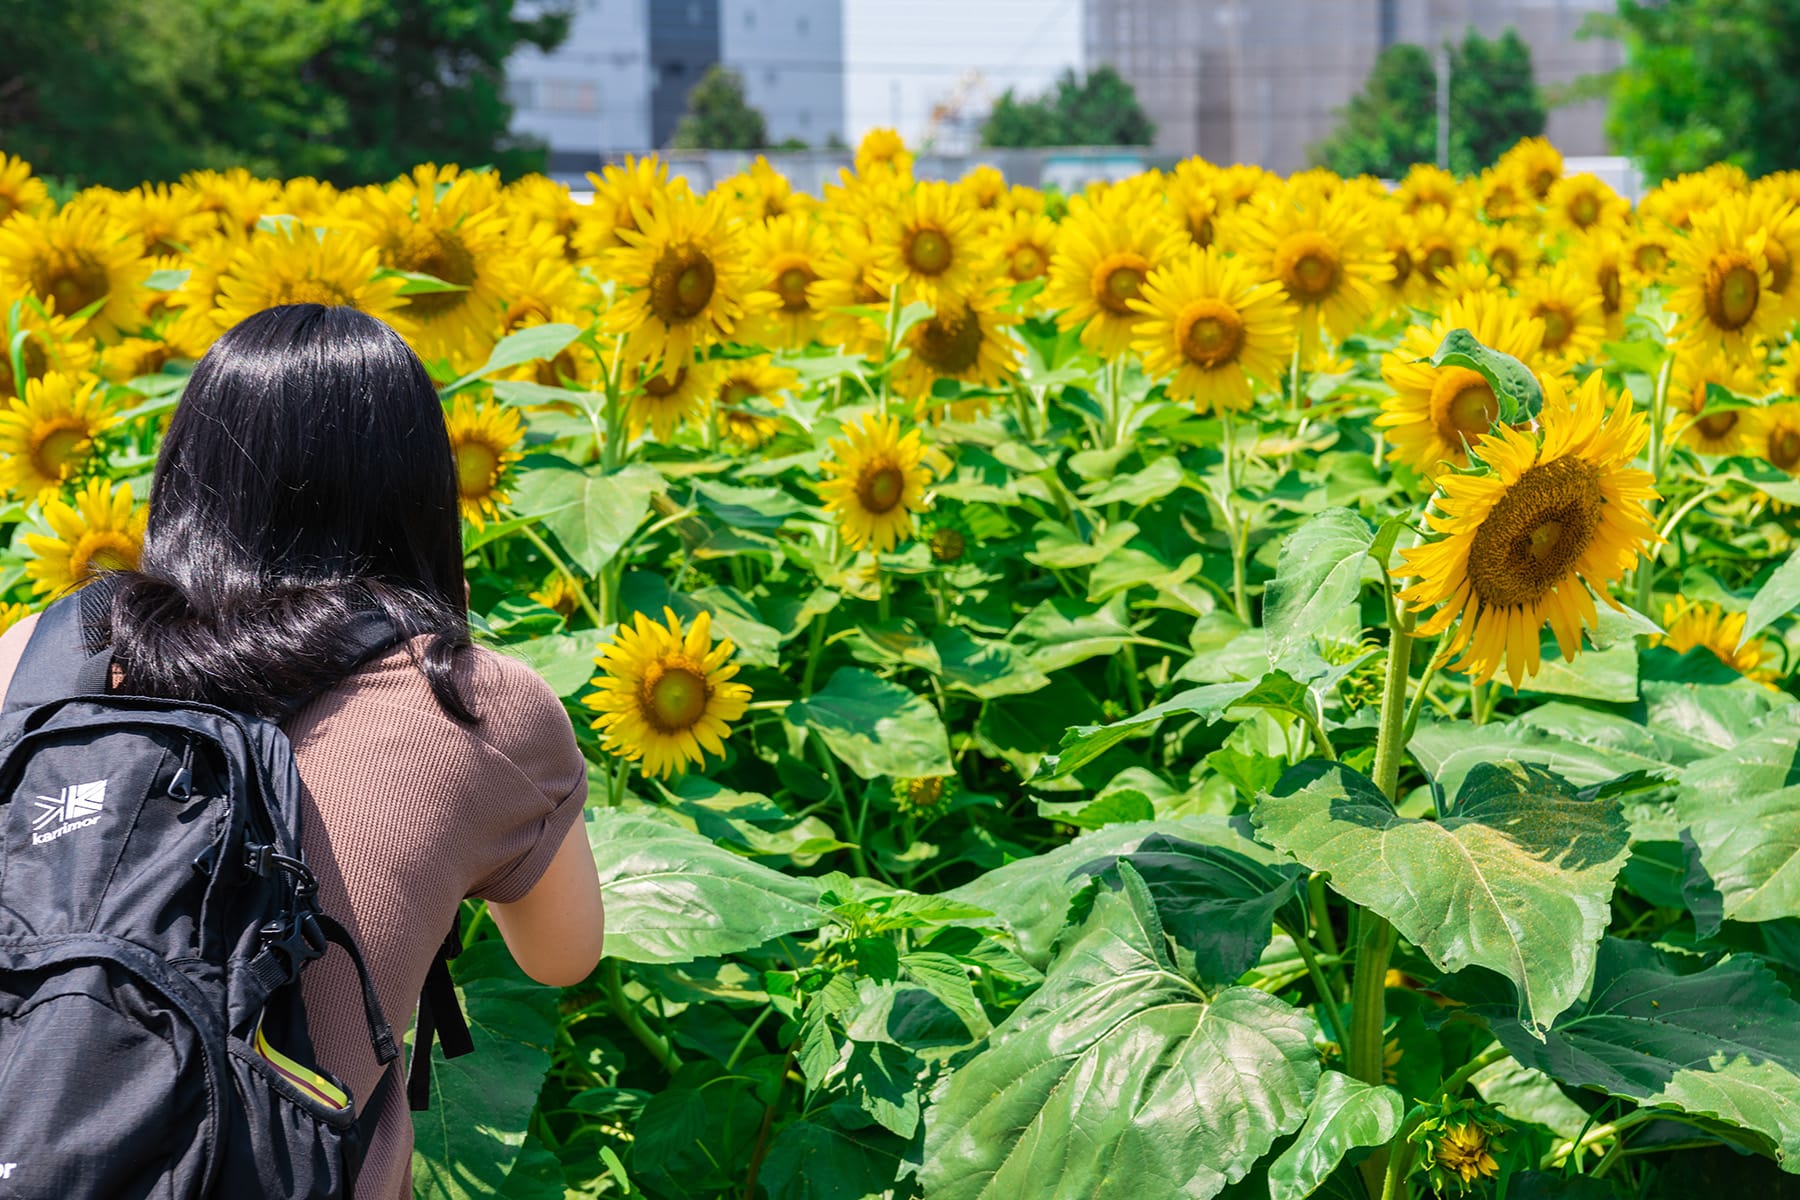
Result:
pixel 515 708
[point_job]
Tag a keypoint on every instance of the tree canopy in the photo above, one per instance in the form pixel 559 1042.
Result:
pixel 1705 81
pixel 121 91
pixel 1100 110
pixel 1392 122
pixel 719 116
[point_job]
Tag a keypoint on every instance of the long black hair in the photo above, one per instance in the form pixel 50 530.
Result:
pixel 306 476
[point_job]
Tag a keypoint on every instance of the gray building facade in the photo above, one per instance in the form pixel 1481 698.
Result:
pixel 590 97
pixel 791 56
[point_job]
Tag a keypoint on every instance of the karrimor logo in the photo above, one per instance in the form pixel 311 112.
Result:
pixel 6 1170
pixel 76 807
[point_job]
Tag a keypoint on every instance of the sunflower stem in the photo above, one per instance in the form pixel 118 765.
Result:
pixel 1659 406
pixel 1237 529
pixel 815 645
pixel 632 1019
pixel 575 582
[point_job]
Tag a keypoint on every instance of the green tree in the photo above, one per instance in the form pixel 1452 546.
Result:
pixel 1707 81
pixel 1100 110
pixel 1392 122
pixel 121 91
pixel 719 116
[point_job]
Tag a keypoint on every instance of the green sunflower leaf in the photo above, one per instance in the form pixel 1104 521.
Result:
pixel 1515 387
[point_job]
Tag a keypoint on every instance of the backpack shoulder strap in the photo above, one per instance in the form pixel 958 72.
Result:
pixel 67 654
pixel 440 1018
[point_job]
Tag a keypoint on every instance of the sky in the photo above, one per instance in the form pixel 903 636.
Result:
pixel 898 71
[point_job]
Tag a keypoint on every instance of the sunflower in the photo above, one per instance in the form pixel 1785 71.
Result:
pixel 1023 244
pixel 849 279
pixel 542 288
pixel 1722 289
pixel 448 224
pixel 690 280
pixel 51 343
pixel 165 220
pixel 1779 220
pixel 667 402
pixel 982 186
pixel 1426 186
pixel 1436 413
pixel 1106 249
pixel 1688 623
pixel 876 481
pixel 101 531
pixel 1780 436
pixel 84 262
pixel 1534 161
pixel 928 245
pixel 542 208
pixel 883 150
pixel 293 265
pixel 1603 262
pixel 1325 257
pixel 1190 193
pixel 1677 201
pixel 136 357
pixel 12 614
pixel 789 253
pixel 1214 326
pixel 1650 249
pixel 665 695
pixel 620 193
pixel 1570 308
pixel 1441 238
pixel 46 438
pixel 1582 203
pixel 484 439
pixel 1508 251
pixel 1502 196
pixel 314 201
pixel 236 199
pixel 967 340
pixel 743 388
pixel 1733 431
pixel 1467 279
pixel 20 190
pixel 1524 542
pixel 766 193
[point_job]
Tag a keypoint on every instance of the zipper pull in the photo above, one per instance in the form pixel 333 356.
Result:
pixel 181 785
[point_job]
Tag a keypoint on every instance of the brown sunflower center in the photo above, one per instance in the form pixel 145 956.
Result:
pixel 37 361
pixel 1584 210
pixel 102 550
pixel 735 391
pixel 1784 448
pixel 1027 262
pixel 791 281
pixel 880 487
pixel 681 284
pixel 1403 266
pixel 673 697
pixel 1781 266
pixel 1732 291
pixel 660 385
pixel 1718 424
pixel 1611 295
pixel 443 255
pixel 1200 228
pixel 1211 333
pixel 950 342
pixel 55 446
pixel 1504 261
pixel 476 465
pixel 74 282
pixel 1117 280
pixel 1307 264
pixel 928 251
pixel 1462 405
pixel 1438 258
pixel 317 291
pixel 1650 258
pixel 948 545
pixel 1528 543
pixel 1559 324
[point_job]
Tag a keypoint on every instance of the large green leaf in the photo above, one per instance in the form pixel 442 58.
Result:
pixel 1219 904
pixel 1778 596
pixel 1031 896
pixel 1518 877
pixel 875 727
pixel 1082 744
pixel 1721 1041
pixel 1063 631
pixel 817 1160
pixel 1119 1074
pixel 1514 386
pixel 1317 577
pixel 1596 747
pixel 592 514
pixel 467 1142
pixel 1766 758
pixel 1346 1113
pixel 526 345
pixel 1751 849
pixel 673 896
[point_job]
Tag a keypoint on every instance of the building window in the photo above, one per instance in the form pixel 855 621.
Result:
pixel 571 96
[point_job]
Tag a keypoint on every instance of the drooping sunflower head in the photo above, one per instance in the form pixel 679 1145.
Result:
pixel 665 696
pixel 47 437
pixel 50 343
pixel 102 531
pixel 84 262
pixel 1535 162
pixel 294 265
pixel 789 252
pixel 1215 329
pixel 1105 251
pixel 1688 624
pixel 485 440
pixel 1780 443
pixel 1554 519
pixel 969 341
pixel 1570 309
pixel 1582 203
pixel 666 402
pixel 1326 257
pixel 689 277
pixel 1722 430
pixel 746 391
pixel 558 594
pixel 1437 413
pixel 20 190
pixel 1722 289
pixel 875 481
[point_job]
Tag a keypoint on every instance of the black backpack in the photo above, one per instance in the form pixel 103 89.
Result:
pixel 155 914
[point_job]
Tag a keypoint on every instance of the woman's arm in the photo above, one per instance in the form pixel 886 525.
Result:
pixel 555 930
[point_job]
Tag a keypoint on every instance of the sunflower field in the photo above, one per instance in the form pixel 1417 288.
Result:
pixel 1215 685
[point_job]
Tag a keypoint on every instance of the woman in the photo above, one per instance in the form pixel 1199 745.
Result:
pixel 306 475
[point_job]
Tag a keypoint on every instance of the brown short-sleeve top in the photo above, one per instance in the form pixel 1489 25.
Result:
pixel 405 813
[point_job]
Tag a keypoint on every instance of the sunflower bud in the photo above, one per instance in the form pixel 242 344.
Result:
pixel 1458 1146
pixel 948 545
pixel 921 795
